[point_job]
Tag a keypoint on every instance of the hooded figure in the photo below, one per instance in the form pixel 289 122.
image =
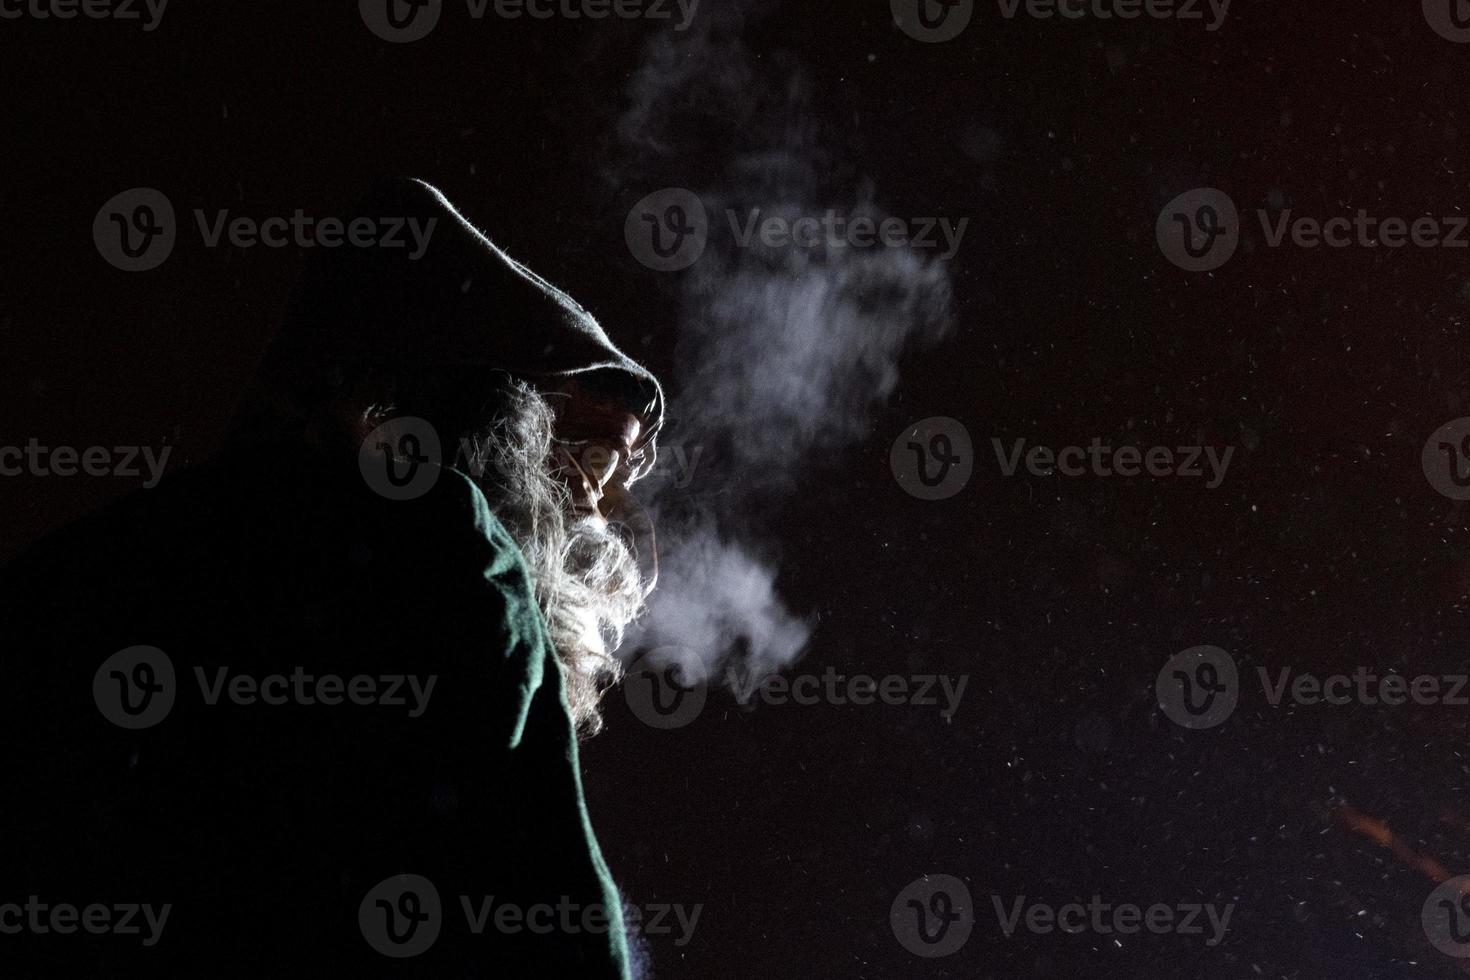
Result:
pixel 310 708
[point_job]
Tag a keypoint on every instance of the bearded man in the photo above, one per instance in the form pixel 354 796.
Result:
pixel 312 707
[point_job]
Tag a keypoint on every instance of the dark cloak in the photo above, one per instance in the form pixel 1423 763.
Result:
pixel 266 826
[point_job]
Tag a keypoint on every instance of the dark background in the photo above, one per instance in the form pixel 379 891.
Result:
pixel 796 827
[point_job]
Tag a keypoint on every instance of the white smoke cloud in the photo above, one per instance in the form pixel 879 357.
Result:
pixel 717 599
pixel 782 353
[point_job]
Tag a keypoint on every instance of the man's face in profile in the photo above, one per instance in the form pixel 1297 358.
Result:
pixel 597 444
pixel 556 462
pixel 602 447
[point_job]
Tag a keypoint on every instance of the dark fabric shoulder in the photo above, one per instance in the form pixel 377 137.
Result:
pixel 258 819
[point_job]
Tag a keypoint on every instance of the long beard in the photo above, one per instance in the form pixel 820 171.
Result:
pixel 586 579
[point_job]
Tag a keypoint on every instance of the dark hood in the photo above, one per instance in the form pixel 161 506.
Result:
pixel 463 301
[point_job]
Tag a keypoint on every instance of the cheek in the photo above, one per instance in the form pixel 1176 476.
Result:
pixel 564 468
pixel 599 462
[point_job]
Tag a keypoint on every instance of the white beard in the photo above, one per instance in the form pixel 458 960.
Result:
pixel 587 580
